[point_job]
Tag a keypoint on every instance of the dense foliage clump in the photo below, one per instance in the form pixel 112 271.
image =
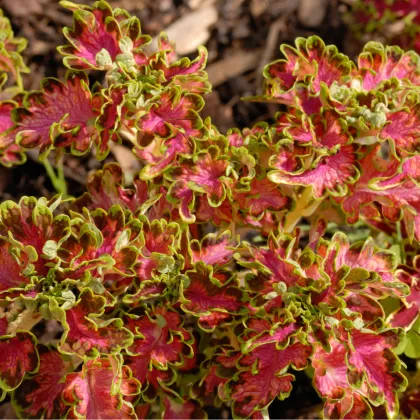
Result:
pixel 396 21
pixel 222 267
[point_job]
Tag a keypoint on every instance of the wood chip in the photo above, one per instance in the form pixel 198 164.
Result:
pixel 125 157
pixel 233 65
pixel 191 30
pixel 23 8
pixel 312 12
pixel 258 7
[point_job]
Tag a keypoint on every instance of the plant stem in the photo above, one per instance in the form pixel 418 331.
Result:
pixel 25 321
pixel 58 180
pixel 305 206
pixel 130 135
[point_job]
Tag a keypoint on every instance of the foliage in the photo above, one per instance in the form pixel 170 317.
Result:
pixel 398 21
pixel 222 267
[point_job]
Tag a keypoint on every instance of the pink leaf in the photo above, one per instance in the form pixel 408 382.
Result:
pixel 263 196
pixel 87 337
pixel 102 390
pixel 378 63
pixel 94 30
pixel 18 357
pixel 372 360
pixel 202 293
pixel 61 114
pixel 207 175
pixel 255 388
pixel 40 396
pixel 159 343
pixel 175 410
pixel 12 261
pixel 331 174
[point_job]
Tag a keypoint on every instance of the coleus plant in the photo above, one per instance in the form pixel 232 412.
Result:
pixel 397 21
pixel 221 267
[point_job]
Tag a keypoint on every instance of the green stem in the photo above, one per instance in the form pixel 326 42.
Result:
pixel 129 134
pixel 305 206
pixel 58 180
pixel 25 321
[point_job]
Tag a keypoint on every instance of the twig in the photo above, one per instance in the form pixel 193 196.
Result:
pixel 278 26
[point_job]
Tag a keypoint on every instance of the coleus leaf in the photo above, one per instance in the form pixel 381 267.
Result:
pixel 60 115
pixel 100 36
pixel 186 410
pixel 187 74
pixel 108 123
pixel 328 174
pixel 79 120
pixel 95 31
pixel 32 224
pixel 205 211
pixel 206 174
pixel 203 294
pixel 40 395
pixel 322 155
pixel 262 374
pixel 273 265
pixel 19 356
pixel 173 117
pixel 15 262
pixel 303 70
pixel 161 154
pixel 262 197
pixel 378 63
pixel 11 61
pixel 408 312
pixel 160 342
pixel 324 130
pixel 330 379
pixel 85 333
pixel 371 359
pixel 106 187
pixel 102 244
pixel 250 392
pixel 172 110
pixel 368 364
pixel 386 191
pixel 402 128
pixel 358 270
pixel 181 196
pixel 10 152
pixel 159 239
pixel 102 390
pixel 214 250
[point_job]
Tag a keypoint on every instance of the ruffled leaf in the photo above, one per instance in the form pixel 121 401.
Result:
pixel 203 294
pixel 10 152
pixel 372 359
pixel 60 115
pixel 40 396
pixel 263 377
pixel 86 335
pixel 160 342
pixel 102 390
pixel 19 356
pixel 378 63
